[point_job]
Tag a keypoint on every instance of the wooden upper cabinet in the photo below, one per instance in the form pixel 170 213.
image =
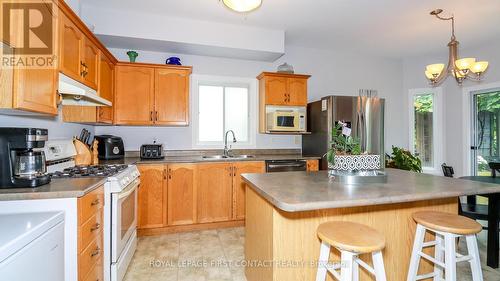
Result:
pixel 297 91
pixel 134 95
pixel 214 192
pixel 152 94
pixel 151 200
pixel 283 89
pixel 239 185
pixel 31 90
pixel 106 89
pixel 90 65
pixel 276 90
pixel 181 195
pixel 71 48
pixel 172 96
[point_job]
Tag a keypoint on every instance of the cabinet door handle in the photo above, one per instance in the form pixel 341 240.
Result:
pixel 169 174
pixel 95 202
pixel 95 227
pixel 95 252
pixel 234 171
pixel 151 116
pixel 164 174
pixel 156 115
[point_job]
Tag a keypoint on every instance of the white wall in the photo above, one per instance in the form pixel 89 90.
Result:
pixel 332 73
pixel 57 128
pixel 413 69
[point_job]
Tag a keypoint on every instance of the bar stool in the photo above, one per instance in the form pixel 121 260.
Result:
pixel 447 227
pixel 351 239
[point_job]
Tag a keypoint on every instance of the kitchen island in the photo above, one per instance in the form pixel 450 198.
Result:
pixel 283 211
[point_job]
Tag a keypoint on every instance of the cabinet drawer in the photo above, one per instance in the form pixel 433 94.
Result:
pixel 96 273
pixel 89 231
pixel 89 257
pixel 89 204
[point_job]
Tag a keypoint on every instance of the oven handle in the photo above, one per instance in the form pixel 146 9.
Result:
pixel 131 188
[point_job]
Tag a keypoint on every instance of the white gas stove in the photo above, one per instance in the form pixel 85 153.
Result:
pixel 120 206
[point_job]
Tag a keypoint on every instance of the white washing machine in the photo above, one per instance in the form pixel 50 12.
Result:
pixel 32 246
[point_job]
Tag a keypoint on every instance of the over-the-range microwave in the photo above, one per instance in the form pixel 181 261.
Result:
pixel 286 118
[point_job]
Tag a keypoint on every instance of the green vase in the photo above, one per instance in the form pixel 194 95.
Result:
pixel 132 55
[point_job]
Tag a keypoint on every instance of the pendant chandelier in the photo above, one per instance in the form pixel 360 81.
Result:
pixel 242 6
pixel 461 69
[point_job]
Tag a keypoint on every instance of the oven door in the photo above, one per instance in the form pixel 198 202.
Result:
pixel 123 218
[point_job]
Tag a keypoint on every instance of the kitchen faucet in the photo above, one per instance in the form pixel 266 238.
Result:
pixel 226 150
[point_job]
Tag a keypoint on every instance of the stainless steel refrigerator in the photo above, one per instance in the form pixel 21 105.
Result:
pixel 364 115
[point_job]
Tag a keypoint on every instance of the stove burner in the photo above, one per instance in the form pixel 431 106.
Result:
pixel 89 171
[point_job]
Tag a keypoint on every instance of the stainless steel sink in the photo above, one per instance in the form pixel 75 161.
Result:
pixel 243 156
pixel 215 157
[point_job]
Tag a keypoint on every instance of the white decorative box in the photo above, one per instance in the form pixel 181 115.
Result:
pixel 356 162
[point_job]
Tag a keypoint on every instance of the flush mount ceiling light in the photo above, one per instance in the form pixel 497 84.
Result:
pixel 461 69
pixel 242 6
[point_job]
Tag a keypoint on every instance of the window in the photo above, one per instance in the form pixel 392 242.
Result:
pixel 222 104
pixel 425 127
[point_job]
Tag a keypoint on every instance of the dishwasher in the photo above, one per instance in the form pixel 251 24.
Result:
pixel 273 166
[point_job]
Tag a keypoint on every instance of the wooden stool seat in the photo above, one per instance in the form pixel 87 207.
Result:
pixel 352 237
pixel 447 222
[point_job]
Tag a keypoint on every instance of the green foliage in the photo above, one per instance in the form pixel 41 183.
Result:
pixel 342 144
pixel 403 159
pixel 423 103
pixel 488 102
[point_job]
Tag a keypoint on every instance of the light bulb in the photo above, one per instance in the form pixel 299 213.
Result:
pixel 465 63
pixel 479 67
pixel 435 69
pixel 429 75
pixel 242 6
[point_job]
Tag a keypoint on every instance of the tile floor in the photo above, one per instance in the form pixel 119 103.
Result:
pixel 213 255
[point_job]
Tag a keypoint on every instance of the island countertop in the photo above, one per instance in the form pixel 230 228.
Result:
pixel 306 191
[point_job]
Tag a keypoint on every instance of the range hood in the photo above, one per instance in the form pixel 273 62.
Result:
pixel 75 93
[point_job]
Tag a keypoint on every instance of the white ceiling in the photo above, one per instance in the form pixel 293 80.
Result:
pixel 393 28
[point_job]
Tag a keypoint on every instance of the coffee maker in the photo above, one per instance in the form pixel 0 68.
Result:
pixel 22 160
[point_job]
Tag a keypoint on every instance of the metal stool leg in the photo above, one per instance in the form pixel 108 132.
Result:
pixel 324 255
pixel 378 266
pixel 475 263
pixel 415 257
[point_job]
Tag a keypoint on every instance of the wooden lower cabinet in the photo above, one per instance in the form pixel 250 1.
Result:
pixel 90 235
pixel 312 165
pixel 215 192
pixel 239 185
pixel 150 210
pixel 181 195
pixel 189 196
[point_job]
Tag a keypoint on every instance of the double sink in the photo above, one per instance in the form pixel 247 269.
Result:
pixel 236 157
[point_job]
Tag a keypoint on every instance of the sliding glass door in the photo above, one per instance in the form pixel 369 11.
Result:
pixel 485 145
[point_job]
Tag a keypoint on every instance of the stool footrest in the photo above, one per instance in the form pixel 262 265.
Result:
pixel 364 265
pixel 425 276
pixel 431 259
pixel 429 244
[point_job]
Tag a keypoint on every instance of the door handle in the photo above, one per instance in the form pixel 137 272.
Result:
pixel 156 115
pixel 474 147
pixel 151 116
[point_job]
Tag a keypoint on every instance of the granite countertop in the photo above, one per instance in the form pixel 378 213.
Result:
pixel 200 159
pixel 57 188
pixel 305 191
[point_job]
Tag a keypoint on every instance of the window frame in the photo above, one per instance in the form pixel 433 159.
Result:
pixel 224 81
pixel 437 124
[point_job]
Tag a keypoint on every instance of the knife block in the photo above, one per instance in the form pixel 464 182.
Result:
pixel 83 153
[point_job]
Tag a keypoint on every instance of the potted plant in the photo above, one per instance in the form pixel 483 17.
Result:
pixel 403 159
pixel 345 153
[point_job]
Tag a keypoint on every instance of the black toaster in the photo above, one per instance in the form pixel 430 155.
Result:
pixel 152 151
pixel 110 147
